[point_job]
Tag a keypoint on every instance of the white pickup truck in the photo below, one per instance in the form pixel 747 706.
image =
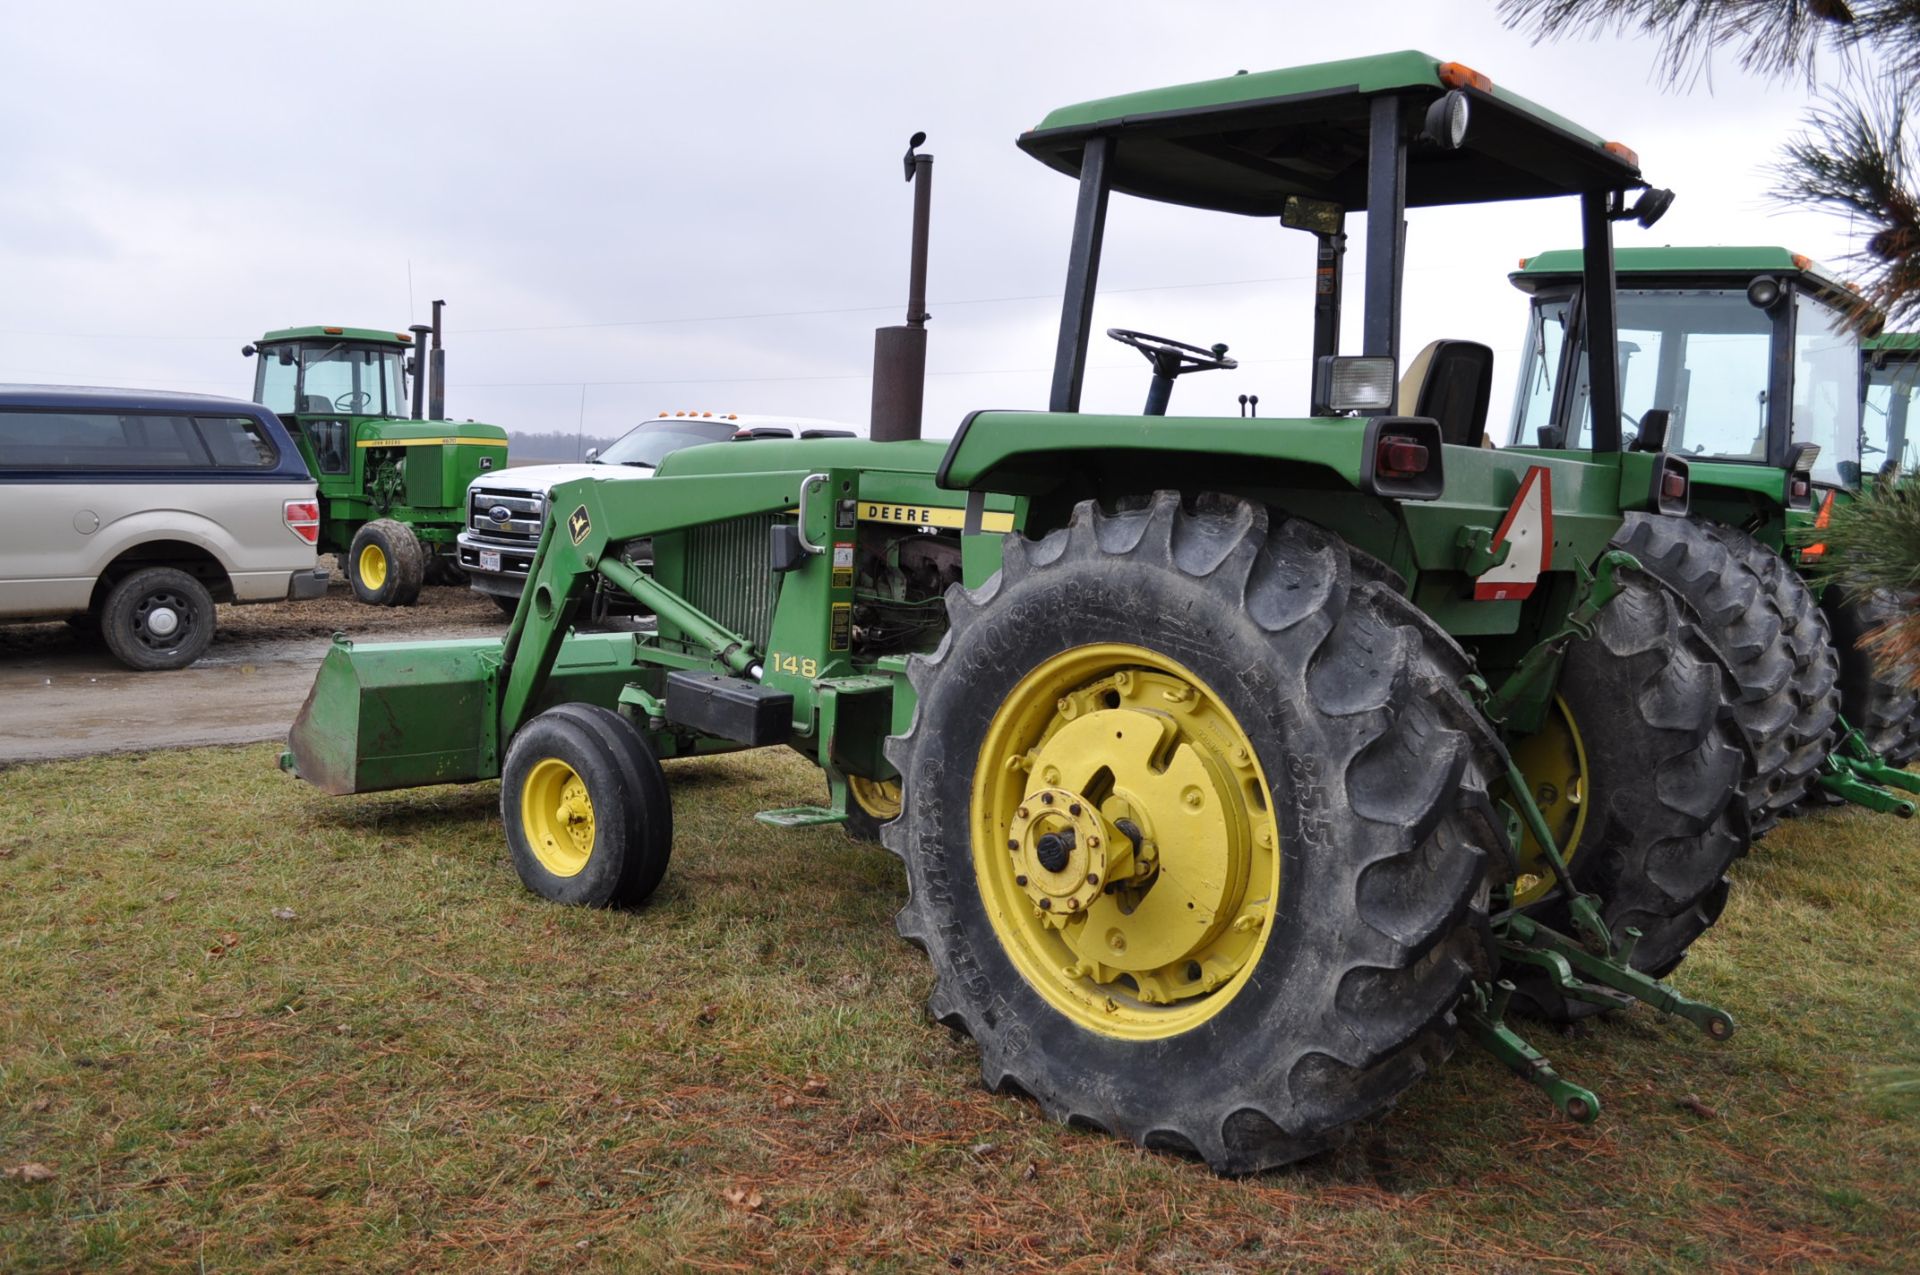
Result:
pixel 505 508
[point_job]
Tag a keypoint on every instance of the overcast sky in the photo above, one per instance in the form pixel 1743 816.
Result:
pixel 636 206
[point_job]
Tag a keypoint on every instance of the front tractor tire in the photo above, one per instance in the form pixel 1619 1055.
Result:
pixel 584 801
pixel 1196 830
pixel 386 564
pixel 1639 772
pixel 1764 621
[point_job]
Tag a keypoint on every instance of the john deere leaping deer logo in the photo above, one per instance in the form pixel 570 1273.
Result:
pixel 578 524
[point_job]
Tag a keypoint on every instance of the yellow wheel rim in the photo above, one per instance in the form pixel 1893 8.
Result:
pixel 1554 761
pixel 557 816
pixel 878 797
pixel 1137 939
pixel 373 567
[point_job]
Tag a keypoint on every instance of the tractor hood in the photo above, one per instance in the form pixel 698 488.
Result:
pixel 543 478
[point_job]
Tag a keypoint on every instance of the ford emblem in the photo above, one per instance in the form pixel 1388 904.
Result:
pixel 500 513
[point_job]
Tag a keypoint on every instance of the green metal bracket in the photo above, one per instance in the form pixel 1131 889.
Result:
pixel 1602 980
pixel 1520 703
pixel 1483 1015
pixel 1478 553
pixel 1854 771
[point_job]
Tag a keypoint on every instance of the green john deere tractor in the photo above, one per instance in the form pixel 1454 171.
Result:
pixel 393 482
pixel 1742 361
pixel 1237 765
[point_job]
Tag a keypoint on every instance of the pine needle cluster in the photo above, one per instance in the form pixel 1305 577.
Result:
pixel 1873 547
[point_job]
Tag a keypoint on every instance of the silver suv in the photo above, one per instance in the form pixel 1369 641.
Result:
pixel 138 510
pixel 505 509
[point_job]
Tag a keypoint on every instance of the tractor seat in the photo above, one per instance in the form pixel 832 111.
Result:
pixel 1451 382
pixel 317 403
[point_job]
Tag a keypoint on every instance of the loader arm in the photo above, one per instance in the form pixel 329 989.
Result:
pixel 589 518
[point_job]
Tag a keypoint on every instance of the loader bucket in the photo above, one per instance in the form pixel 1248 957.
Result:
pixel 387 715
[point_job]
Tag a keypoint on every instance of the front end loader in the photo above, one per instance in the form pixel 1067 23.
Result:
pixel 1237 765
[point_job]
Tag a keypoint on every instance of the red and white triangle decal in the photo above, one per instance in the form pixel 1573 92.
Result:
pixel 1528 526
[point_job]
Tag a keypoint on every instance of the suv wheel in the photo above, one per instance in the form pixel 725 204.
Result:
pixel 157 618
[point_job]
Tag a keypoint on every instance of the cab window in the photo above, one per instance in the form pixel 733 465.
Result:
pixel 1887 429
pixel 1826 390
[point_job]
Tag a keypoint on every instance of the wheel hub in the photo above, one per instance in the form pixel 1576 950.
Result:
pixel 557 816
pixel 1554 763
pixel 162 621
pixel 1137 851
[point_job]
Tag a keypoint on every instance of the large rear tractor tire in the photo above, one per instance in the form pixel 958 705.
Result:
pixel 585 804
pixel 1760 616
pixel 1886 712
pixel 1196 830
pixel 1639 772
pixel 385 564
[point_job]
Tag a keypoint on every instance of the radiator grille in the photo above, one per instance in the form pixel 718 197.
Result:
pixel 730 574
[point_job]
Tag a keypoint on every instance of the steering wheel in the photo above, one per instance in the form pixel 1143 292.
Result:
pixel 354 401
pixel 1173 358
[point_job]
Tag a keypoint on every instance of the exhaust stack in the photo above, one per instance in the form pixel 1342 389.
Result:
pixel 900 352
pixel 420 333
pixel 437 364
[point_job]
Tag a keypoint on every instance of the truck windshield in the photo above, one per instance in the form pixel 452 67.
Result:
pixel 1886 431
pixel 1700 353
pixel 649 444
pixel 332 379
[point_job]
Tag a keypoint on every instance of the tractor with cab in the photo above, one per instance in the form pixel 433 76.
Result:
pixel 1747 362
pixel 393 474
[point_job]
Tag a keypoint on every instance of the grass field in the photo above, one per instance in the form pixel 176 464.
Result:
pixel 247 1027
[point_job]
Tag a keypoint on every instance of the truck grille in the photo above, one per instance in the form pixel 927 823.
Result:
pixel 730 574
pixel 525 511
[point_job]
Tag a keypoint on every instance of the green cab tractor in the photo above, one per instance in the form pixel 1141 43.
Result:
pixel 1238 765
pixel 1744 361
pixel 392 475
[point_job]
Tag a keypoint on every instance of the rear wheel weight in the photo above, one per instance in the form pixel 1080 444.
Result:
pixel 585 806
pixel 1664 765
pixel 1326 964
pixel 1761 618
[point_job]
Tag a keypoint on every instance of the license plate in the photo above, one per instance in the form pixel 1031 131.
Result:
pixel 489 560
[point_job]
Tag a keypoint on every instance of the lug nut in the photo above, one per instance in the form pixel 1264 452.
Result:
pixel 1093 878
pixel 1074 810
pixel 1047 797
pixel 1013 845
pixel 1020 880
pixel 1046 905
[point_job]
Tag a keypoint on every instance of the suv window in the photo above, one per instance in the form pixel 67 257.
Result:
pixel 237 442
pixel 132 440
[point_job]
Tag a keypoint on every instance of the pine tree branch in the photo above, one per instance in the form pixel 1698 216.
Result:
pixel 1769 37
pixel 1857 159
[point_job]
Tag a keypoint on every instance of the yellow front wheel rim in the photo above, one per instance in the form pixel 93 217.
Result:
pixel 373 566
pixel 1124 841
pixel 1554 761
pixel 557 816
pixel 880 798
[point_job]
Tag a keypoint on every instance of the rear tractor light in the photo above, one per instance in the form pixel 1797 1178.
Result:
pixel 303 519
pixel 1673 486
pixel 1799 490
pixel 1398 458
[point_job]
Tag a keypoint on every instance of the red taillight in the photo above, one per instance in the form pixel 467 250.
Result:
pixel 1800 491
pixel 303 519
pixel 1399 458
pixel 1673 486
